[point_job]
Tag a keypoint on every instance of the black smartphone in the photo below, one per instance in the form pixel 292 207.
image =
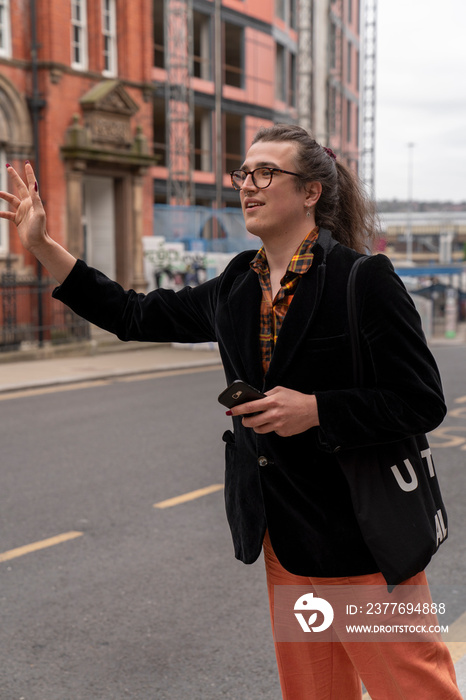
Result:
pixel 239 392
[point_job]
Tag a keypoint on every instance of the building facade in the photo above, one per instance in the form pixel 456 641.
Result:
pixel 76 100
pixel 329 74
pixel 236 65
pixel 241 67
pixel 343 96
pixel 121 106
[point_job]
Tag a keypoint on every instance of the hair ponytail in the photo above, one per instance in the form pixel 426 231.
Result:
pixel 343 207
pixel 355 221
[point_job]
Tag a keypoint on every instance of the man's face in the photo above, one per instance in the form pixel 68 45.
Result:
pixel 280 207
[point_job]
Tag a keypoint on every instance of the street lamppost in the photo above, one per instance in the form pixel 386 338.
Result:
pixel 409 230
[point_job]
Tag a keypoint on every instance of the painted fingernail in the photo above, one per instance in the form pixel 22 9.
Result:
pixel 7 165
pixel 35 186
pixel 228 413
pixel 26 162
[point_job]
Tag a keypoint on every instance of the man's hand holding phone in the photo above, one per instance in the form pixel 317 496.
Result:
pixel 284 411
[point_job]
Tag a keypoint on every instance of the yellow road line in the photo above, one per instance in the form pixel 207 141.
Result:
pixel 457 649
pixel 35 546
pixel 443 433
pixel 188 496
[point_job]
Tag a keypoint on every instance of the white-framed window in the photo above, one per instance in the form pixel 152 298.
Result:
pixel 4 226
pixel 109 35
pixel 79 34
pixel 5 28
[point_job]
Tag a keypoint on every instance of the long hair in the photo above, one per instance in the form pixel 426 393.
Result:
pixel 343 207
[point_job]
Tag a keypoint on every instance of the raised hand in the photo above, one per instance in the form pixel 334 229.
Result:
pixel 26 210
pixel 28 214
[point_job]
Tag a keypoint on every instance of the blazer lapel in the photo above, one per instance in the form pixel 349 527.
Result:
pixel 244 307
pixel 297 320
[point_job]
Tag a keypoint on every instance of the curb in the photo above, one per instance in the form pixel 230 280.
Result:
pixel 85 348
pixel 102 376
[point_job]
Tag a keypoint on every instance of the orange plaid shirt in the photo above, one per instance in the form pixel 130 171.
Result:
pixel 273 311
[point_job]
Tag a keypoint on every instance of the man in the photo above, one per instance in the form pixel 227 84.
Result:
pixel 281 324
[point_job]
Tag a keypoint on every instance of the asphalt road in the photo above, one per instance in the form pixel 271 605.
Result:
pixel 447 571
pixel 149 603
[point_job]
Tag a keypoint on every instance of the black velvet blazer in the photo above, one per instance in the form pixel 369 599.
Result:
pixel 293 486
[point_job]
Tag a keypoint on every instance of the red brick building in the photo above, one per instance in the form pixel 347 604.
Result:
pixel 80 108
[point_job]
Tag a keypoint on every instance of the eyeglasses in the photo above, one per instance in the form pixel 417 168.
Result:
pixel 261 177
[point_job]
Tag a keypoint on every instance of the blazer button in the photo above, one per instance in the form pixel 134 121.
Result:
pixel 263 461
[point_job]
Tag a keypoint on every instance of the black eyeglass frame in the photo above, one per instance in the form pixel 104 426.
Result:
pixel 251 173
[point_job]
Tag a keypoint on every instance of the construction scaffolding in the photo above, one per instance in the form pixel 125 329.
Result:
pixel 305 66
pixel 336 86
pixel 368 79
pixel 179 100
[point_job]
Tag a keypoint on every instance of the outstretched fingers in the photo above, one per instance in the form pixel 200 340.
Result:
pixel 21 186
pixel 30 177
pixel 10 215
pixel 14 204
pixel 12 201
pixel 26 209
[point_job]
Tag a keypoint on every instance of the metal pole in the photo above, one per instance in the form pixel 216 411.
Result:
pixel 218 105
pixel 36 104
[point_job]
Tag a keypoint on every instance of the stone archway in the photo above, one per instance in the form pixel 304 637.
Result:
pixel 15 124
pixel 15 143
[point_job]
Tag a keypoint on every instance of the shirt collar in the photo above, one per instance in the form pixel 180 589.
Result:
pixel 299 263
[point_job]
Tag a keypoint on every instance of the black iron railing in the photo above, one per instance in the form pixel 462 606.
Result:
pixel 30 316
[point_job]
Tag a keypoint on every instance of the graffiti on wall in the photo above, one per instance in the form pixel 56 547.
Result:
pixel 170 266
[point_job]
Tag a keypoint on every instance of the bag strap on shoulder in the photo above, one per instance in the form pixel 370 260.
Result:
pixel 355 338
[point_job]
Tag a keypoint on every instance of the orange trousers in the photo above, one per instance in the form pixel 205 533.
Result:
pixel 334 670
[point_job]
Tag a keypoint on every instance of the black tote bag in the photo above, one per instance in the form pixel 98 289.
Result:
pixel 394 487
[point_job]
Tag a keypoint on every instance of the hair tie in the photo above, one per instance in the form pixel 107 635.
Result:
pixel 329 152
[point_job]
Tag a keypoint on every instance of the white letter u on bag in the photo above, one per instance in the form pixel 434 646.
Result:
pixel 406 485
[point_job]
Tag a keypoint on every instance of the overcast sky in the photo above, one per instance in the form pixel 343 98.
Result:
pixel 421 98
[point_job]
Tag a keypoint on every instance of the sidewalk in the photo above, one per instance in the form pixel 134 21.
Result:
pixel 56 371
